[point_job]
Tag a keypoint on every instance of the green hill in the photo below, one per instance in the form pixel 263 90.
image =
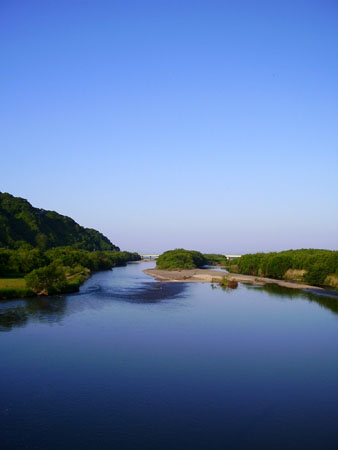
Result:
pixel 21 223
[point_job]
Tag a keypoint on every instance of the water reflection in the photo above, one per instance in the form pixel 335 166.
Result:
pixel 53 309
pixel 13 317
pixel 145 292
pixel 326 299
pixel 44 309
pixel 97 293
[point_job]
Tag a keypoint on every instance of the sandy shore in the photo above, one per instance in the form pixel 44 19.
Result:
pixel 207 275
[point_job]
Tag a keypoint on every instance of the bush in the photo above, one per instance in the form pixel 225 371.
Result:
pixel 316 274
pixel 180 259
pixel 226 283
pixel 19 262
pixel 47 280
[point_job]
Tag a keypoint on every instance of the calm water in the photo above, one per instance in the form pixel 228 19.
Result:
pixel 130 363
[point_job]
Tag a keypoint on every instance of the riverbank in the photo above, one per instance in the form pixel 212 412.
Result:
pixel 208 275
pixel 62 270
pixel 13 288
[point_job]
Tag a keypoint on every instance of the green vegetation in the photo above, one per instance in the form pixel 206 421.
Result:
pixel 18 263
pixel 311 266
pixel 14 288
pixel 180 259
pixel 315 267
pixel 226 282
pixel 50 279
pixel 56 279
pixel 51 251
pixel 12 283
pixel 21 223
pixel 215 259
pixel 95 261
pixel 58 270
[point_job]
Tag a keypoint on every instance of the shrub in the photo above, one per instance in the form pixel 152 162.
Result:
pixel 47 280
pixel 226 283
pixel 180 259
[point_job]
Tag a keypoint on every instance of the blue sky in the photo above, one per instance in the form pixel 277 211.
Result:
pixel 210 125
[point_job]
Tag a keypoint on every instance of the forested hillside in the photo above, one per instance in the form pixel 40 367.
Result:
pixel 43 252
pixel 21 223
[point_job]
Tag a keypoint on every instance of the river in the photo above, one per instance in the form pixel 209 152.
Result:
pixel 130 363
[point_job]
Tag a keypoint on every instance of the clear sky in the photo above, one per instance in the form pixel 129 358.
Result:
pixel 210 125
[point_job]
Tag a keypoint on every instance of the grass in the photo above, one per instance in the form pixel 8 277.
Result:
pixel 13 288
pixel 12 283
pixel 17 288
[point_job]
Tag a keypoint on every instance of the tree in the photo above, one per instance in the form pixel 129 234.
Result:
pixel 180 259
pixel 47 280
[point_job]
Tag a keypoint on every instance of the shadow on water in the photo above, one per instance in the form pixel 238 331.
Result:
pixel 43 309
pixel 146 293
pixel 53 309
pixel 326 299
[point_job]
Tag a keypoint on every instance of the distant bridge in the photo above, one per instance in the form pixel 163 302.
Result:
pixel 149 256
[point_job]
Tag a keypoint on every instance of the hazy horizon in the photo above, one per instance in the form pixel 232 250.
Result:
pixel 204 125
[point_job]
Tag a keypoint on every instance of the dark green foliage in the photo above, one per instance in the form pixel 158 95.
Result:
pixel 318 264
pixel 95 261
pixel 11 317
pixel 180 259
pixel 45 269
pixel 50 279
pixel 317 273
pixel 8 293
pixel 19 262
pixel 21 223
pixel 52 251
pixel 216 259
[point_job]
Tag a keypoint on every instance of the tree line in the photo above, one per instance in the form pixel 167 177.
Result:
pixel 57 270
pixel 18 263
pixel 314 266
